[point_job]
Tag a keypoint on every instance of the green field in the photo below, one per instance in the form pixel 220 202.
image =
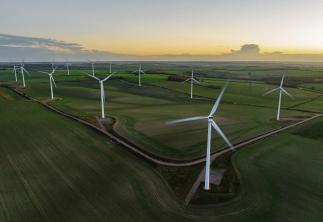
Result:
pixel 55 169
pixel 141 113
pixel 281 179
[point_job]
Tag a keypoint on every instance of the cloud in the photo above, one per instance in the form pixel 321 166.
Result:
pixel 13 48
pixel 22 41
pixel 18 48
pixel 247 52
pixel 248 49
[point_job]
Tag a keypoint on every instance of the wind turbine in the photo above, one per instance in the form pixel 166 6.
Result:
pixel 211 123
pixel 14 71
pixel 51 82
pixel 139 71
pixel 68 69
pixel 192 80
pixel 281 91
pixel 23 70
pixel 92 65
pixel 101 82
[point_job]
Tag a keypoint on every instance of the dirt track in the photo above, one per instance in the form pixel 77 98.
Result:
pixel 169 162
pixel 155 159
pixel 240 145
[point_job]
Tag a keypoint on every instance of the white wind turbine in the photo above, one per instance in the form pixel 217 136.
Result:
pixel 192 80
pixel 139 71
pixel 101 91
pixel 51 81
pixel 67 68
pixel 211 123
pixel 92 65
pixel 281 91
pixel 14 71
pixel 23 70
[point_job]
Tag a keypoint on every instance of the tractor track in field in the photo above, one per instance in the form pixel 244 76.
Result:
pixel 305 102
pixel 154 158
pixel 206 98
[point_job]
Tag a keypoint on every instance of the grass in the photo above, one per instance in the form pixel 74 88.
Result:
pixel 53 169
pixel 141 113
pixel 280 180
pixel 86 178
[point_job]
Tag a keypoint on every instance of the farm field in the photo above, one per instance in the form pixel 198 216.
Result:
pixel 54 168
pixel 281 179
pixel 239 91
pixel 141 113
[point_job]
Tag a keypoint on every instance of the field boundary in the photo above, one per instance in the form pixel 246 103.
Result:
pixel 150 157
pixel 199 179
pixel 206 98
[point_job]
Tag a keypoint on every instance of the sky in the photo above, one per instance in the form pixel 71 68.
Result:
pixel 290 30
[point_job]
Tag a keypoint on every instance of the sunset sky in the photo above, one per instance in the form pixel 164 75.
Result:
pixel 148 27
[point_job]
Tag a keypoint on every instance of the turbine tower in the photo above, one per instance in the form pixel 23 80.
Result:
pixel 68 69
pixel 192 80
pixel 92 65
pixel 23 70
pixel 139 71
pixel 281 91
pixel 51 82
pixel 14 71
pixel 101 82
pixel 211 123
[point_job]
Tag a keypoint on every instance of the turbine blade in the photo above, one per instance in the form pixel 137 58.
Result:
pixel 217 102
pixel 108 77
pixel 26 71
pixel 52 79
pixel 93 77
pixel 282 81
pixel 217 128
pixel 186 80
pixel 186 119
pixel 44 72
pixel 270 91
pixel 198 82
pixel 287 93
pixel 85 73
